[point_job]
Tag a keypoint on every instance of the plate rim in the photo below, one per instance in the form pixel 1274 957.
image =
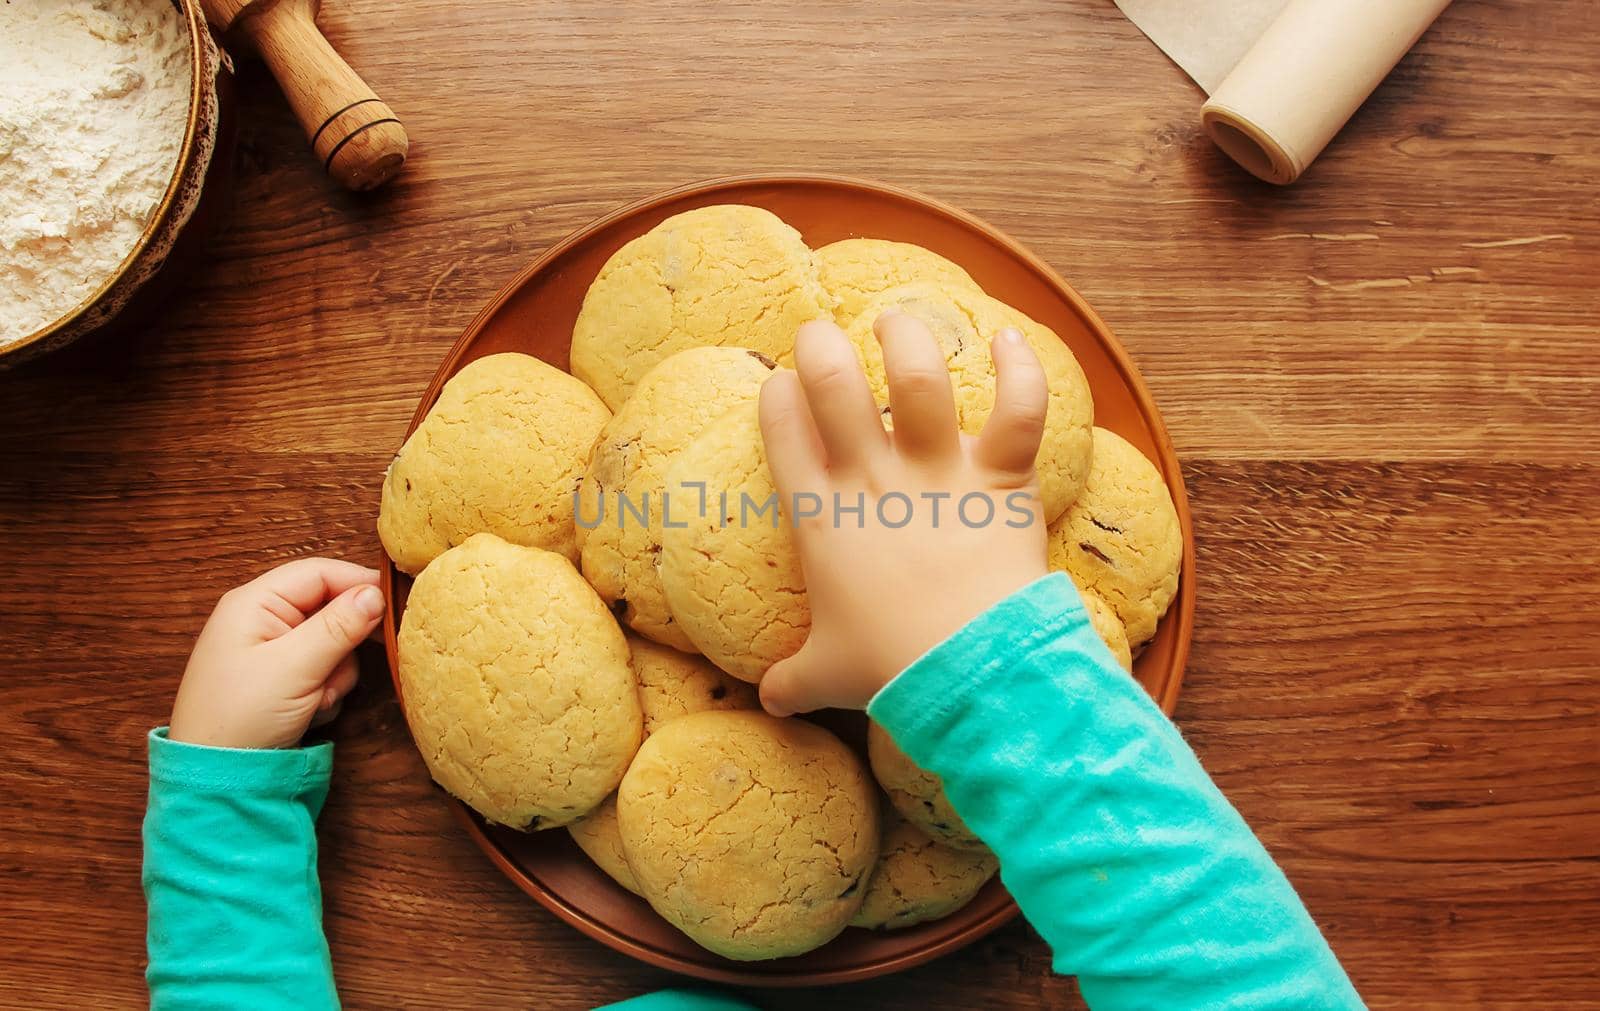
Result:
pixel 1171 470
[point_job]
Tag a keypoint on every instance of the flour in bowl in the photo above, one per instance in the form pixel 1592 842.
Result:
pixel 94 100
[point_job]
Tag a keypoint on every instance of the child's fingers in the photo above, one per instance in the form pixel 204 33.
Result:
pixel 1010 438
pixel 794 450
pixel 920 399
pixel 312 650
pixel 846 416
pixel 295 589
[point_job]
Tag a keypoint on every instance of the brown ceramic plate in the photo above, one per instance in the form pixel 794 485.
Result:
pixel 535 313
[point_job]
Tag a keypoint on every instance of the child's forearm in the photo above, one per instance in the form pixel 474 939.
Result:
pixel 1117 846
pixel 230 878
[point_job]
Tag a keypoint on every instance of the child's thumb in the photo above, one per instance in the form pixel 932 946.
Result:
pixel 318 644
pixel 789 686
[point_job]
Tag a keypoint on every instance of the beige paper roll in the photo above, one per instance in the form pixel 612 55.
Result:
pixel 1306 76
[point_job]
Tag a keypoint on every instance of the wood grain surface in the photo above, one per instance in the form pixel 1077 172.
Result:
pixel 1383 383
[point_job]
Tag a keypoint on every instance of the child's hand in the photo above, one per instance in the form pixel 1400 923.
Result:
pixel 881 593
pixel 275 653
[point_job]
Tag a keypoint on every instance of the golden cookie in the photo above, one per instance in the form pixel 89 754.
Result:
pixel 752 835
pixel 671 684
pixel 731 571
pixel 916 793
pixel 727 275
pixel 596 833
pixel 499 453
pixel 674 684
pixel 620 507
pixel 917 879
pixel 1109 627
pixel 855 271
pixel 1120 538
pixel 964 321
pixel 516 683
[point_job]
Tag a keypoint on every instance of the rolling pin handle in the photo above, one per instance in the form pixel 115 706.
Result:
pixel 353 133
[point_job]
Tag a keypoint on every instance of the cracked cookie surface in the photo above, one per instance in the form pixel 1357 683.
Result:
pixel 917 879
pixel 855 271
pixel 728 275
pixel 752 835
pixel 1121 539
pixel 516 684
pixel 964 321
pixel 500 453
pixel 732 573
pixel 671 684
pixel 620 507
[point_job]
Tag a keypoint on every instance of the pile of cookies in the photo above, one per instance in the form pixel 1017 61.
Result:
pixel 582 642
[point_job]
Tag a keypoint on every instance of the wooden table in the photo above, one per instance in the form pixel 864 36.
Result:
pixel 1382 382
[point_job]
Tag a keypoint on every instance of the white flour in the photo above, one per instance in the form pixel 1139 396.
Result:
pixel 94 98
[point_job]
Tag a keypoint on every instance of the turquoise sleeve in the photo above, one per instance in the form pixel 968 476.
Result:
pixel 230 878
pixel 1117 846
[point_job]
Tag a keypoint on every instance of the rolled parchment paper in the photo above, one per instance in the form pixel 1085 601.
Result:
pixel 1305 77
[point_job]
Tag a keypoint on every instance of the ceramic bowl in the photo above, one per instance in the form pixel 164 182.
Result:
pixel 182 219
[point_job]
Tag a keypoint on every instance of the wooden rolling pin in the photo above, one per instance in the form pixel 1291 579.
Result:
pixel 354 134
